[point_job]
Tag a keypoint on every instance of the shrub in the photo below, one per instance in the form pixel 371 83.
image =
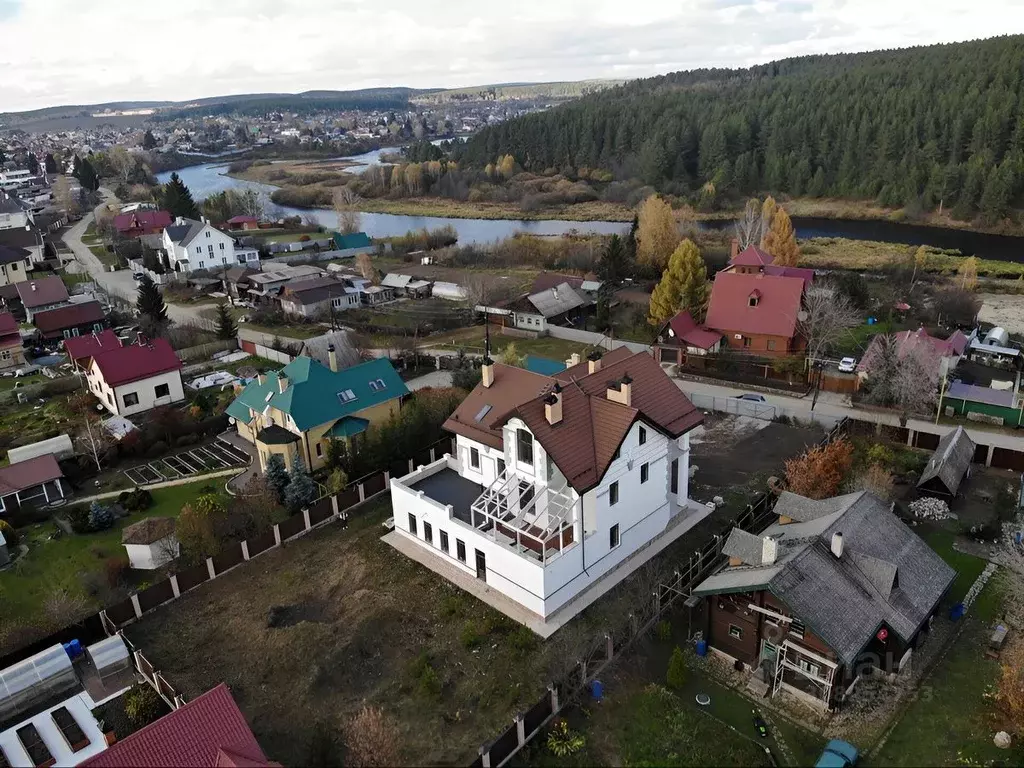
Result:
pixel 142 705
pixel 370 739
pixel 135 500
pixel 451 605
pixel 10 535
pixel 304 238
pixel 100 517
pixel 563 741
pixel 429 683
pixel 663 631
pixel 79 519
pixel 470 635
pixel 116 569
pixel 157 449
pixel 186 440
pixel 676 675
pixel 522 639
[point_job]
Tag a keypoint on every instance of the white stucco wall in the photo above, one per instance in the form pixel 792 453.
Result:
pixel 112 398
pixel 148 557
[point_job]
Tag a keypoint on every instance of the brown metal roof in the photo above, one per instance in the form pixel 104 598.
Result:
pixel 511 387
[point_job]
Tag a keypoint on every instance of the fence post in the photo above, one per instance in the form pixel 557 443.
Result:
pixel 305 518
pixel 362 493
pixel 387 479
pixel 553 690
pixel 334 505
pixel 412 467
pixel 485 757
pixel 210 569
pixel 520 730
pixel 277 535
pixel 433 456
pixel 988 456
pixel 136 606
pixel 609 646
pixel 245 549
pixel 174 585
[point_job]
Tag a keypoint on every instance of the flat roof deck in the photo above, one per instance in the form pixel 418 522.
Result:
pixel 449 487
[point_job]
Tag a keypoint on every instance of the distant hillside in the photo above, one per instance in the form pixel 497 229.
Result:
pixel 510 91
pixel 914 127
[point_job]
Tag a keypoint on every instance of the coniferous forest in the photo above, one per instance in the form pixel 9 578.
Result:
pixel 919 128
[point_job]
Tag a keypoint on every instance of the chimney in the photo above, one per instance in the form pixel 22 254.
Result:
pixel 574 359
pixel 487 372
pixel 621 391
pixel 553 405
pixel 332 357
pixel 261 378
pixel 837 544
pixel 282 382
pixel 33 286
pixel 734 249
pixel 594 361
pixel 769 550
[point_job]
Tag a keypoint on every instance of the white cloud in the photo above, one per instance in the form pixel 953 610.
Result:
pixel 74 52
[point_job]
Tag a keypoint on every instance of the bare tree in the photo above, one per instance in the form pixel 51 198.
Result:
pixel 904 377
pixel 825 318
pixel 748 226
pixel 346 205
pixel 66 201
pixel 92 436
pixel 369 272
pixel 478 289
pixel 371 739
pixel 123 163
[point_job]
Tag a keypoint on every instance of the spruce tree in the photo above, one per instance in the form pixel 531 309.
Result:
pixel 631 242
pixel 177 199
pixel 683 286
pixel 32 163
pixel 148 141
pixel 86 175
pixel 301 490
pixel 50 163
pixel 226 328
pixel 277 475
pixel 780 240
pixel 150 302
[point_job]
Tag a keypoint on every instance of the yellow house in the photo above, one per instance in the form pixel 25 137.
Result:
pixel 297 410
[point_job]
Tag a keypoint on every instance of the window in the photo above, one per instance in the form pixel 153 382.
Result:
pixel 132 398
pixel 771 344
pixel 378 385
pixel 14 267
pixel 201 265
pixel 199 249
pixel 674 479
pixel 524 446
pixel 752 301
pixel 5 354
pixel 645 472
pixel 613 494
pixel 735 632
pixel 412 524
pixel 210 249
pixel 97 327
pixel 613 536
pixel 207 233
pixel 444 541
pixel 811 669
pixel 501 466
pixel 460 550
pixel 319 450
pixel 162 390
pixel 643 435
pixel 796 628
pixel 746 341
pixel 474 458
pixel 222 246
pixel 428 533
pixel 347 396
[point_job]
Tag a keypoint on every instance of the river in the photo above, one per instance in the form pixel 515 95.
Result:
pixel 206 180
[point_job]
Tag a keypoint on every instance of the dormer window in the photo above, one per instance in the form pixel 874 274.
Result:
pixel 524 447
pixel 753 299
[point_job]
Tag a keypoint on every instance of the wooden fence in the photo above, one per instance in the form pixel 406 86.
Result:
pixel 206 351
pixel 686 575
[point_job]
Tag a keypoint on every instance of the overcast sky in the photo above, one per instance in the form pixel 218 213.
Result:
pixel 90 51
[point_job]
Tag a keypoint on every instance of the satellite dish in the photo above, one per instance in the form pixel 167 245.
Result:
pixel 231 419
pixel 801 315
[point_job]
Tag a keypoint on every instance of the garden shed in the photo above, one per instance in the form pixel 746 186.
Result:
pixel 150 543
pixel 949 465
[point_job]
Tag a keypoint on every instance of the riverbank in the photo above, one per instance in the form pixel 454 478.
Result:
pixel 871 256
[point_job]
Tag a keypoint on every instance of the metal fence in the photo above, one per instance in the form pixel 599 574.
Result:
pixel 734 405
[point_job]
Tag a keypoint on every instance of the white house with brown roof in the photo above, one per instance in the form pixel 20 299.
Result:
pixel 559 488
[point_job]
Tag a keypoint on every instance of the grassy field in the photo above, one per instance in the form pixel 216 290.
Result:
pixel 62 563
pixel 472 340
pixel 871 256
pixel 455 209
pixel 8 383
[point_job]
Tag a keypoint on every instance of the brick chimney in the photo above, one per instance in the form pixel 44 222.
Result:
pixel 553 405
pixel 487 372
pixel 769 550
pixel 332 357
pixel 621 391
pixel 594 361
pixel 734 249
pixel 574 359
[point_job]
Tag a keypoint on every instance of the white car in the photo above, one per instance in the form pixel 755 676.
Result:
pixel 752 397
pixel 847 364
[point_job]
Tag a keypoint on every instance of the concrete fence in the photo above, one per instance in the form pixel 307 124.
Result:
pixel 595 339
pixel 206 351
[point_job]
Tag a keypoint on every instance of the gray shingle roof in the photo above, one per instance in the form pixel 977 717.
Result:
pixel 183 234
pixel 557 301
pixel 744 546
pixel 803 510
pixel 949 463
pixel 886 575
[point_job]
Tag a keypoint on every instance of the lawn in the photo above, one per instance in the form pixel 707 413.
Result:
pixel 472 340
pixel 71 279
pixel 62 563
pixel 968 567
pixel 10 382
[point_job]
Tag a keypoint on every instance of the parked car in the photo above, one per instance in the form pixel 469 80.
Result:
pixel 838 754
pixel 137 276
pixel 847 364
pixel 752 397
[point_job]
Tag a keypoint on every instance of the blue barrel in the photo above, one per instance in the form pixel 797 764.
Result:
pixel 702 647
pixel 956 612
pixel 73 649
pixel 597 690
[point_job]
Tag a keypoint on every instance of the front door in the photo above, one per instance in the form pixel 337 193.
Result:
pixel 481 565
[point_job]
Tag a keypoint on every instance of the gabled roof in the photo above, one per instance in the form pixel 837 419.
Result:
pixel 776 312
pixel 395 280
pixel 887 575
pixel 557 300
pixel 55 320
pixel 592 428
pixel 144 219
pixel 91 344
pixel 39 293
pixel 11 255
pixel 148 531
pixel 9 328
pixel 29 473
pixel 547 280
pixel 207 731
pixel 948 465
pixel 807 275
pixel 123 365
pixel 184 233
pixel 243 220
pixel 353 240
pixel 312 396
pixel 686 332
pixel 752 256
pixel 21 237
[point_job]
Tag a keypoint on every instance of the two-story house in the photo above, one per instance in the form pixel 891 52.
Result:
pixel 15 265
pixel 833 589
pixel 12 350
pixel 560 486
pixel 41 295
pixel 192 245
pixel 135 378
pixel 295 412
pixel 68 322
pixel 13 215
pixel 310 297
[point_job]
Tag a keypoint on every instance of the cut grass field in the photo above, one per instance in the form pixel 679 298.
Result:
pixel 62 563
pixel 872 256
pixel 472 340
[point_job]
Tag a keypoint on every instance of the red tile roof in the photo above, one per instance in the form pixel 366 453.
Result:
pixel 28 473
pixel 53 321
pixel 91 345
pixel 208 731
pixel 775 313
pixel 123 365
pixel 46 290
pixel 929 350
pixel 686 331
pixel 145 219
pixel 752 256
pixel 807 275
pixel 9 333
pixel 243 220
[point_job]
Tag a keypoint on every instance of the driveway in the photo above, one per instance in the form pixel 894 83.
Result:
pixel 120 283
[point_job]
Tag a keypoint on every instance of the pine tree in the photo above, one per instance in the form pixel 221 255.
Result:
pixel 177 199
pixel 277 475
pixel 611 269
pixel 780 240
pixel 148 140
pixel 226 328
pixel 50 163
pixel 657 234
pixel 683 286
pixel 86 175
pixel 150 302
pixel 631 243
pixel 32 163
pixel 100 517
pixel 301 490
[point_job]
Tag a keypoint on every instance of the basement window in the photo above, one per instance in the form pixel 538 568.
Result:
pixel 735 632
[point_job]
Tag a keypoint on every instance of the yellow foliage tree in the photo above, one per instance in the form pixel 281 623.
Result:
pixel 768 209
pixel 657 234
pixel 507 166
pixel 819 472
pixel 780 240
pixel 969 274
pixel 683 286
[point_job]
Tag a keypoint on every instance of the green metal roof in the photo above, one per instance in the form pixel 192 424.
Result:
pixel 354 240
pixel 347 427
pixel 315 394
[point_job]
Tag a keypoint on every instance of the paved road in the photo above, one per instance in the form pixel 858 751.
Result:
pixel 120 283
pixel 830 407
